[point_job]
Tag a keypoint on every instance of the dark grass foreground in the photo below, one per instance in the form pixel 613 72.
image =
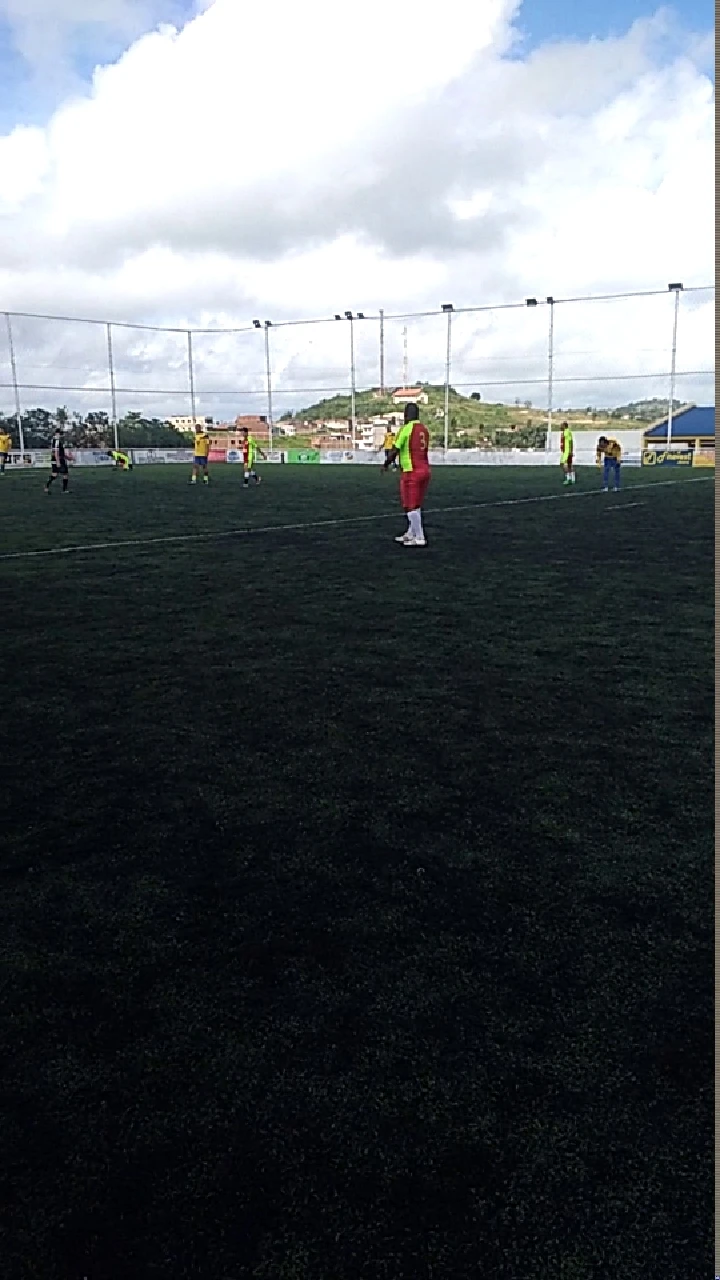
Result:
pixel 356 912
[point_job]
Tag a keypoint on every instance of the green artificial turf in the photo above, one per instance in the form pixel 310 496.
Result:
pixel 356 912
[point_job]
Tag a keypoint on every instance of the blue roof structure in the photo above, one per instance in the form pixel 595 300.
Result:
pixel 695 422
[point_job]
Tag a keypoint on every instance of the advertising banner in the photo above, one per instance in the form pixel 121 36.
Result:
pixel 217 455
pixel 704 458
pixel 91 458
pixel 302 455
pixel 161 455
pixel 667 457
pixel 336 455
pixel 31 458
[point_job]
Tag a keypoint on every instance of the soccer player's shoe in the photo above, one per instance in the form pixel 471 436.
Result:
pixel 416 542
pixel 405 538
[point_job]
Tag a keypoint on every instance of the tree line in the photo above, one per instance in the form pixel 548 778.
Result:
pixel 91 430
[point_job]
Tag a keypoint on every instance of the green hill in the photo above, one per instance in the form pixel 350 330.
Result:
pixel 471 420
pixel 646 410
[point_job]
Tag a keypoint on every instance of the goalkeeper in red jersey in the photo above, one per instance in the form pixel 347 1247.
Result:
pixel 412 444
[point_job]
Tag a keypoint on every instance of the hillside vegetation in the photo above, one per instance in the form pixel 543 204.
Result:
pixel 472 421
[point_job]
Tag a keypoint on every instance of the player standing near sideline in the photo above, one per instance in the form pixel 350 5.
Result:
pixel 201 453
pixel 388 445
pixel 567 448
pixel 250 449
pixel 609 452
pixel 412 444
pixel 58 462
pixel 5 447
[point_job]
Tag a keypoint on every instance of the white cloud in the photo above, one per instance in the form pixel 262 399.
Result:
pixel 257 162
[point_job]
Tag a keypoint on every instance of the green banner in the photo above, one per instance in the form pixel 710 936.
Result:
pixel 302 455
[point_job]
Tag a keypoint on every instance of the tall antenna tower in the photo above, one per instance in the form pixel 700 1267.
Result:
pixel 406 374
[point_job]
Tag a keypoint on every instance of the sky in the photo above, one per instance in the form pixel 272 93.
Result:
pixel 206 162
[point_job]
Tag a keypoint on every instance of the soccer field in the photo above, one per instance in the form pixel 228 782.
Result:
pixel 357 910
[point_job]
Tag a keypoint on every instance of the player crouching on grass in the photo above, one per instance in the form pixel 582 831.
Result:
pixel 609 453
pixel 123 461
pixel 412 444
pixel 201 453
pixel 250 449
pixel 567 447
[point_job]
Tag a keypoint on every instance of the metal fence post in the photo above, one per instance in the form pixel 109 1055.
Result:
pixel 448 307
pixel 677 290
pixel 16 389
pixel 191 377
pixel 268 372
pixel 352 384
pixel 113 395
pixel 551 369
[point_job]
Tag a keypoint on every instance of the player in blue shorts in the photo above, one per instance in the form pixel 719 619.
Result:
pixel 201 450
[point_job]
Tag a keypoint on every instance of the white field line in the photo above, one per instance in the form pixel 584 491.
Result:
pixel 624 506
pixel 301 526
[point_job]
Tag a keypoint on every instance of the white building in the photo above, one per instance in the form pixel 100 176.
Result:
pixel 410 395
pixel 189 424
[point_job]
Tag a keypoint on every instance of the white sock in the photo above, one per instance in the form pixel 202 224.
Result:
pixel 246 477
pixel 415 519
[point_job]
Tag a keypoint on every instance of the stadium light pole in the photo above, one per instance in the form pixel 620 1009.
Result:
pixel 550 365
pixel 447 307
pixel 16 389
pixel 533 302
pixel 353 416
pixel 191 375
pixel 268 372
pixel 113 394
pixel 677 289
pixel 550 368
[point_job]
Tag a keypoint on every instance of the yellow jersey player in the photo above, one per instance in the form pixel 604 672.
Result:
pixel 5 447
pixel 388 445
pixel 201 453
pixel 609 453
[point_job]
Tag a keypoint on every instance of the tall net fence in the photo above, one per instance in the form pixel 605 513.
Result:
pixel 545 355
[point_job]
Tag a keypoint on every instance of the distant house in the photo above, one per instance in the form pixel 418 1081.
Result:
pixel 226 435
pixel 333 426
pixel 410 395
pixel 371 434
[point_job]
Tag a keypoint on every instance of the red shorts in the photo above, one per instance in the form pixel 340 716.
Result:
pixel 413 487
